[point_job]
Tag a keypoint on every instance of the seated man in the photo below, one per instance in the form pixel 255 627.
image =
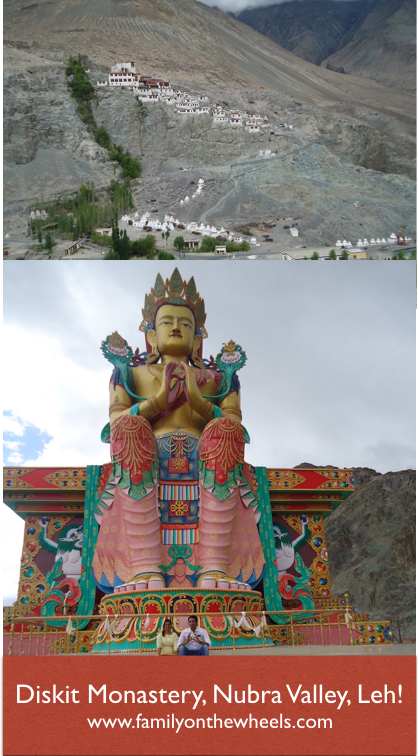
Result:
pixel 194 641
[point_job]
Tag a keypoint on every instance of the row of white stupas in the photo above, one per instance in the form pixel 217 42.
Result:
pixel 38 214
pixel 145 221
pixel 198 192
pixel 169 224
pixel 365 243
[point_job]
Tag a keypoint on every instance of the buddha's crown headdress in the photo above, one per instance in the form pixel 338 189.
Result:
pixel 177 292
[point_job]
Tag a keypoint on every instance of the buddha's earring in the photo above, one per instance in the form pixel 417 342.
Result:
pixel 153 356
pixel 197 362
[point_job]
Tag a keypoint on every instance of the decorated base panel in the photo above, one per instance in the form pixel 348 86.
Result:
pixel 124 632
pixel 59 507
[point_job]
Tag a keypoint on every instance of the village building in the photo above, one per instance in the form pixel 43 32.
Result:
pixel 147 96
pixel 66 248
pixel 235 119
pixel 103 231
pixel 357 254
pixel 285 256
pixel 125 67
pixel 220 249
pixel 220 117
pixel 191 243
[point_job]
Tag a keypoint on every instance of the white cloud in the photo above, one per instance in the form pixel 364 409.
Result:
pixel 13 445
pixel 236 6
pixel 15 459
pixel 13 425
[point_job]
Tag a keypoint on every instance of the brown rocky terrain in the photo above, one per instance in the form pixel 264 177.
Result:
pixel 371 548
pixel 347 166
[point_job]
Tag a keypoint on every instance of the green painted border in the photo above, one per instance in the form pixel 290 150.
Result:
pixel 90 532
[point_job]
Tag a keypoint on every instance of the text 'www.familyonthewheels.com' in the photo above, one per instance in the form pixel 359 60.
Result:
pixel 170 722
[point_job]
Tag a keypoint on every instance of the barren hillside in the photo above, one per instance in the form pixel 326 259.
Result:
pixel 352 140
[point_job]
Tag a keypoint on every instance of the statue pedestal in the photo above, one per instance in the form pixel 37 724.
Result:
pixel 125 632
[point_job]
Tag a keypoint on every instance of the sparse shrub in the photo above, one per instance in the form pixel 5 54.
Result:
pixel 102 137
pixel 165 256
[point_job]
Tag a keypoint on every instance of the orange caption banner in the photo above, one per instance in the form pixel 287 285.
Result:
pixel 302 695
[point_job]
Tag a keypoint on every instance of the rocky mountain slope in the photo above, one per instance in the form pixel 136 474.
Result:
pixel 346 167
pixel 371 548
pixel 383 47
pixel 373 38
pixel 310 30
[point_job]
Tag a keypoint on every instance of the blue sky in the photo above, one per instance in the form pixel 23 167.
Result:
pixel 22 440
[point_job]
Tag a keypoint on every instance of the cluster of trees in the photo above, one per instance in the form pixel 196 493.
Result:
pixel 208 244
pixel 82 90
pixel 47 242
pixel 131 167
pixel 123 248
pixel 79 214
pixel 400 255
pixel 332 255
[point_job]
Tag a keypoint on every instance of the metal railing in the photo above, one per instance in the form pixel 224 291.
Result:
pixel 27 635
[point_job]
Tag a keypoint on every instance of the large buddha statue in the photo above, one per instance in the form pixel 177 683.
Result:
pixel 180 504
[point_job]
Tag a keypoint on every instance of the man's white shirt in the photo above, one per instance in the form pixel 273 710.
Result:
pixel 193 644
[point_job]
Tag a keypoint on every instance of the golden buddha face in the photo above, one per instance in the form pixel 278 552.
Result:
pixel 174 333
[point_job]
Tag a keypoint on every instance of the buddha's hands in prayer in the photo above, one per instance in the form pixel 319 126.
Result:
pixel 193 395
pixel 171 384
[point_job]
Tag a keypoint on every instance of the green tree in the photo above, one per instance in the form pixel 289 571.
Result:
pixel 116 245
pixel 332 255
pixel 150 256
pixel 344 255
pixel 208 244
pixel 49 241
pixel 125 246
pixel 314 256
pixel 39 236
pixel 179 243
pixel 111 255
